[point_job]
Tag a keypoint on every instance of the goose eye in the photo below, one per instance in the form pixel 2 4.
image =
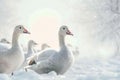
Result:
pixel 20 27
pixel 63 28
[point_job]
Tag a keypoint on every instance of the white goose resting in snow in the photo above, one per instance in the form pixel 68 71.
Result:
pixel 60 61
pixel 13 58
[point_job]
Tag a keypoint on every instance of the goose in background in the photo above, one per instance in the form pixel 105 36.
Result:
pixel 31 45
pixel 13 58
pixel 3 40
pixel 75 50
pixel 30 52
pixel 44 46
pixel 4 45
pixel 42 55
pixel 59 62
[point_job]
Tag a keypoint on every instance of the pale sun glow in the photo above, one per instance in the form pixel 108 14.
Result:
pixel 44 25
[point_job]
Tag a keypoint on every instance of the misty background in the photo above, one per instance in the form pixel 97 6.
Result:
pixel 95 23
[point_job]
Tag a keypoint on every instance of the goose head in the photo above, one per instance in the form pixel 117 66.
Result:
pixel 4 41
pixel 32 43
pixel 19 29
pixel 43 46
pixel 64 31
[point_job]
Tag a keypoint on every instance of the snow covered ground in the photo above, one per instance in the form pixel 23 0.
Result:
pixel 82 70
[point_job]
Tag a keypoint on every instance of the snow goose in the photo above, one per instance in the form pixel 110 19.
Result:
pixel 41 55
pixel 4 45
pixel 12 59
pixel 30 51
pixel 44 46
pixel 60 61
pixel 4 41
pixel 75 50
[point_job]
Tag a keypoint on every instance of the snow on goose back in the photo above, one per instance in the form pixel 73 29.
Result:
pixel 12 59
pixel 60 61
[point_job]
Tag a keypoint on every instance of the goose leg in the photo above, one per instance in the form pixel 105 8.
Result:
pixel 12 74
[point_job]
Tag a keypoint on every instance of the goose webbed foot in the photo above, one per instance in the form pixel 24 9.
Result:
pixel 32 62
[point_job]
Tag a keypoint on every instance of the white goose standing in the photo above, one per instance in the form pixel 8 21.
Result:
pixel 60 61
pixel 12 59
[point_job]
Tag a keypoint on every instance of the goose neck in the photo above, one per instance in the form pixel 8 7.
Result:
pixel 30 50
pixel 61 40
pixel 15 39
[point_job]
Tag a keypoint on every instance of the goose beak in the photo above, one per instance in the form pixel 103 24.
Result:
pixel 26 31
pixel 69 33
pixel 36 43
pixel 8 42
pixel 48 46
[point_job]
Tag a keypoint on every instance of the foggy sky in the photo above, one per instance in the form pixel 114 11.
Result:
pixel 90 20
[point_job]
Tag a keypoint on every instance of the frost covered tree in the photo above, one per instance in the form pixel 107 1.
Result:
pixel 111 25
pixel 115 6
